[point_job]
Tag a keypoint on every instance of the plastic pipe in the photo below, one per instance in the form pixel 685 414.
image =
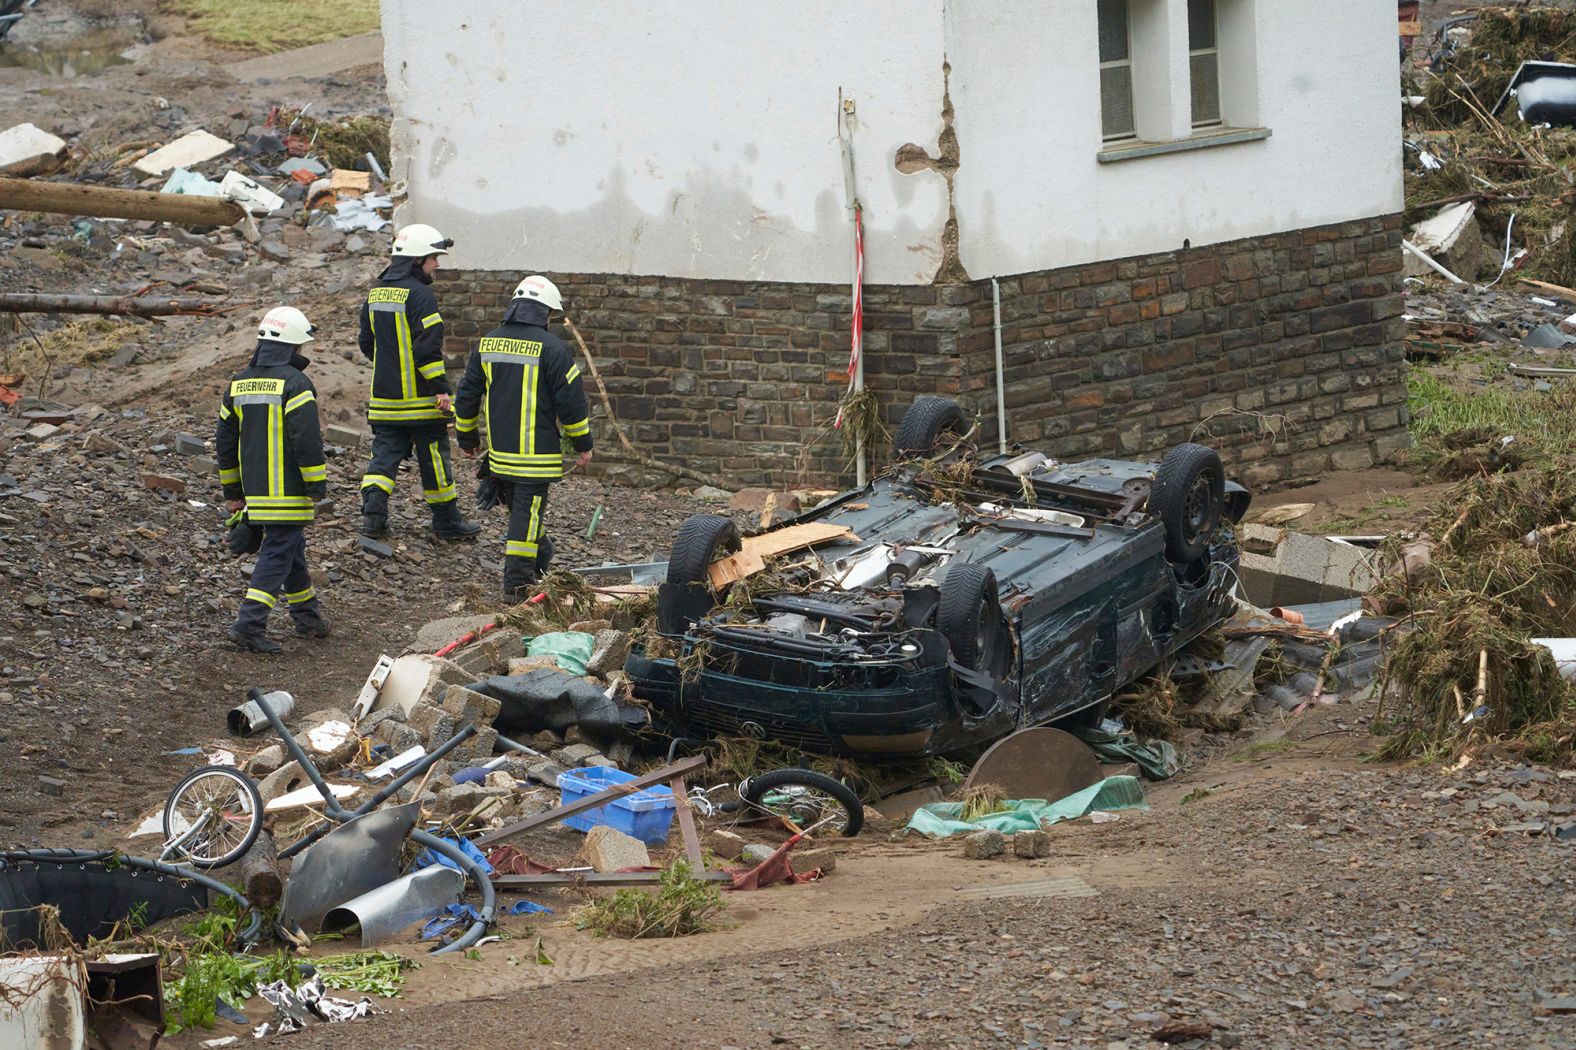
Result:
pixel 1001 376
pixel 477 875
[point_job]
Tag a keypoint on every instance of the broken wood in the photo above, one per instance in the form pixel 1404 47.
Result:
pixel 756 549
pixel 607 403
pixel 125 305
pixel 70 198
pixel 260 872
pixel 1556 290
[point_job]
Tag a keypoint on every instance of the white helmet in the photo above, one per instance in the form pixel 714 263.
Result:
pixel 286 324
pixel 540 289
pixel 419 240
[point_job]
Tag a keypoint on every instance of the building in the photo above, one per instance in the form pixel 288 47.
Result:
pixel 1190 209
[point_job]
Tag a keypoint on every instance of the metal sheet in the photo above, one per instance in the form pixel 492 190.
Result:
pixel 1037 763
pixel 353 859
pixel 390 909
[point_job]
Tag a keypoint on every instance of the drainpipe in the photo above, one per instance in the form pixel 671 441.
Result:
pixel 1001 374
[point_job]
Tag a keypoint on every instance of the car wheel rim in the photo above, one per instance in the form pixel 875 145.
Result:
pixel 1195 507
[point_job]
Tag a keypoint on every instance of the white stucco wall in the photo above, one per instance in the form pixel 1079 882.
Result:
pixel 1031 196
pixel 691 139
pixel 699 138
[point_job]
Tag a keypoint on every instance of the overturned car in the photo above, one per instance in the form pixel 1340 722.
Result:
pixel 961 599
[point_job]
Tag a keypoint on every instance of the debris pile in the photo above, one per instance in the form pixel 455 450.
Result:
pixel 1463 670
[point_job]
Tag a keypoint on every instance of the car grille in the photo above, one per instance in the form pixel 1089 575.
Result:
pixel 719 720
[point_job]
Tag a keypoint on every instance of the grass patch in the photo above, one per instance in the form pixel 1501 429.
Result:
pixel 1458 429
pixel 1266 749
pixel 1196 794
pixel 681 906
pixel 276 25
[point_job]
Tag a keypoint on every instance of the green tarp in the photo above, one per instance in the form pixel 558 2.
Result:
pixel 572 649
pixel 941 819
pixel 1157 758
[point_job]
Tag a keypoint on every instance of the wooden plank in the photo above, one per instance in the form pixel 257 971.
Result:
pixel 1556 290
pixel 523 883
pixel 601 798
pixel 687 825
pixel 752 557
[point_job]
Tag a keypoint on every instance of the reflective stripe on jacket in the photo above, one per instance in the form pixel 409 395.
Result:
pixel 531 387
pixel 270 449
pixel 402 333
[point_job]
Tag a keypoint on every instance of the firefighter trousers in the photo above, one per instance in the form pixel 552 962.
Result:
pixel 280 572
pixel 392 444
pixel 527 551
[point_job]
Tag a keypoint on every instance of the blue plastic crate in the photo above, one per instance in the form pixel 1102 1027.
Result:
pixel 646 815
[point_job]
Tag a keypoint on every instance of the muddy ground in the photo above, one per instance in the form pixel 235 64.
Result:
pixel 1286 892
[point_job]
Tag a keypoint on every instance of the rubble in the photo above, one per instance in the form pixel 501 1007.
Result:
pixel 26 151
pixel 983 845
pixel 190 149
pixel 607 849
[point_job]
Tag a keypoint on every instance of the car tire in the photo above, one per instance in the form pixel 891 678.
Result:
pixel 755 789
pixel 701 540
pixel 925 421
pixel 969 614
pixel 1189 496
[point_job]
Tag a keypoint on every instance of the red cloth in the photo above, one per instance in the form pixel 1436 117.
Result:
pixel 511 860
pixel 772 870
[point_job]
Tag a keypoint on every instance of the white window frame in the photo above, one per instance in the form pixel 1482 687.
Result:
pixel 1127 63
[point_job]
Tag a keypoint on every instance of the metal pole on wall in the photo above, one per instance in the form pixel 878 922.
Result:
pixel 856 357
pixel 1001 374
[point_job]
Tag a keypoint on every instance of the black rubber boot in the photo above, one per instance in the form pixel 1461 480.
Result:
pixel 254 643
pixel 375 526
pixel 519 581
pixel 449 524
pixel 316 627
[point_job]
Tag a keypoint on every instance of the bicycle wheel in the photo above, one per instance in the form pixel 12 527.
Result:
pixel 805 797
pixel 225 803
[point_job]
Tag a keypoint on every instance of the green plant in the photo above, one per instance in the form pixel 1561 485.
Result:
pixel 681 906
pixel 1195 795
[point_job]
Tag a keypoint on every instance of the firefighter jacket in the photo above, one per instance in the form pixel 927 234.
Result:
pixel 402 334
pixel 270 447
pixel 531 387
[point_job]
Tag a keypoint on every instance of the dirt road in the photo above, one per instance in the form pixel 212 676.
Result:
pixel 1298 897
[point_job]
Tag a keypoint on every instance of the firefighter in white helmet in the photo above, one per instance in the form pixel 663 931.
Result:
pixel 270 453
pixel 532 391
pixel 402 333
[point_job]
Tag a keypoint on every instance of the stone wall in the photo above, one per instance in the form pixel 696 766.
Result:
pixel 1283 351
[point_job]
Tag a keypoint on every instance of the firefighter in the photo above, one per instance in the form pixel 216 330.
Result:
pixel 402 334
pixel 531 387
pixel 271 466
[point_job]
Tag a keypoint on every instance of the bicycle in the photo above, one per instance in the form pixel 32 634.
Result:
pixel 802 797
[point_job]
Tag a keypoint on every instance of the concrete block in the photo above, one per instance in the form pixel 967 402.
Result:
pixel 607 849
pixel 1031 844
pixel 810 859
pixel 574 755
pixel 469 707
pixel 1280 567
pixel 725 844
pixel 432 724
pixel 983 845
pixel 609 652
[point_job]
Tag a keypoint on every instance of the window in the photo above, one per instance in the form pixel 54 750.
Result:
pixel 1203 62
pixel 1116 72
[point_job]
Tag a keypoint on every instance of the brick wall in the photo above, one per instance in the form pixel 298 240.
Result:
pixel 1283 351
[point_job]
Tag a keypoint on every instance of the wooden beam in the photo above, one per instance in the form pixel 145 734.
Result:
pixel 123 305
pixel 594 878
pixel 71 198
